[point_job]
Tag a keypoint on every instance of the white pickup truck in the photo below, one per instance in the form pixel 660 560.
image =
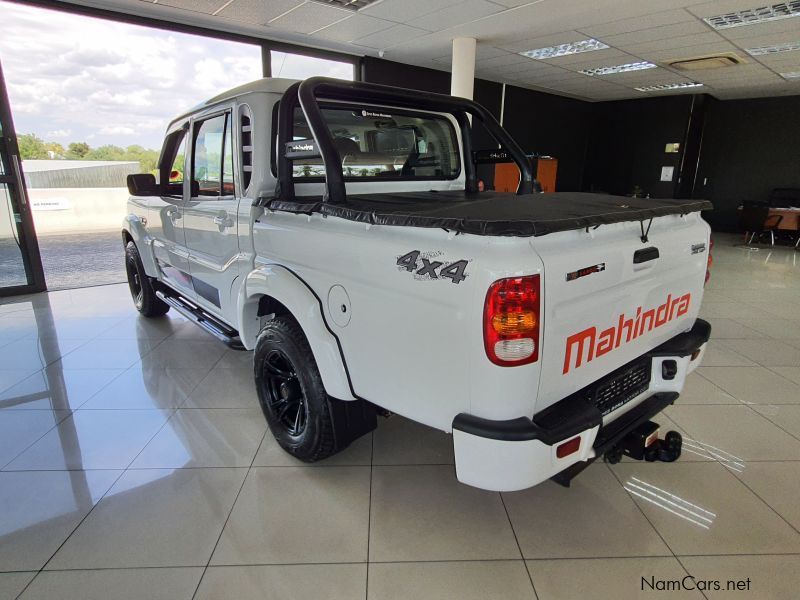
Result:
pixel 336 229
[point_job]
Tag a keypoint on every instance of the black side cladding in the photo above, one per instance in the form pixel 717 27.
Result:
pixel 490 213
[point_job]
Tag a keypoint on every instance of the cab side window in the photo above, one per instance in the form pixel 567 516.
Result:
pixel 212 158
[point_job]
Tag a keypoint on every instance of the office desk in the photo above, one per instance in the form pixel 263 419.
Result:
pixel 790 220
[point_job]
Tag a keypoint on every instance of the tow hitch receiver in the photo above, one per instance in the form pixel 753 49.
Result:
pixel 643 443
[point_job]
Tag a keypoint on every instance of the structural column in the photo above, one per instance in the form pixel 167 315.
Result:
pixel 462 82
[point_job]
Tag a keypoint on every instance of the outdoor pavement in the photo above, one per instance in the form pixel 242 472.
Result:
pixel 69 260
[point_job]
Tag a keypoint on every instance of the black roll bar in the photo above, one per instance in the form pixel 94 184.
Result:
pixel 306 94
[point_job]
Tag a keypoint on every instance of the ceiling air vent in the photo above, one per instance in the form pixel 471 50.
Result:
pixel 703 63
pixel 349 4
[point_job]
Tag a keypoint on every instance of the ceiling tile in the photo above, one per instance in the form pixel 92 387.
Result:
pixel 309 17
pixel 676 42
pixel 207 7
pixel 488 51
pixel 667 32
pixel 404 10
pixel 463 12
pixel 257 12
pixel 667 17
pixel 503 60
pixel 389 37
pixel 542 41
pixel 352 28
pixel 769 39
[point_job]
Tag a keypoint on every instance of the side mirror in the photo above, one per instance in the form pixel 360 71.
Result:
pixel 142 184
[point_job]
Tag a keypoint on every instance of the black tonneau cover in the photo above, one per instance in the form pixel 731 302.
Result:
pixel 490 213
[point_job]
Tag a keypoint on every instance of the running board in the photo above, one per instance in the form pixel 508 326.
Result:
pixel 219 330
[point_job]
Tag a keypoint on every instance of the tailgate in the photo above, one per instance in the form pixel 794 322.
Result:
pixel 603 308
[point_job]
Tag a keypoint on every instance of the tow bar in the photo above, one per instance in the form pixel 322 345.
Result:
pixel 643 443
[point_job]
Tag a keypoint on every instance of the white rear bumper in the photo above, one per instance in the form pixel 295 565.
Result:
pixel 504 461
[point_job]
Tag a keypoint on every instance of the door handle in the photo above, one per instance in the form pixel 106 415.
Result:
pixel 223 222
pixel 645 255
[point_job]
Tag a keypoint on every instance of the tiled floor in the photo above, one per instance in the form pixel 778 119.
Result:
pixel 135 463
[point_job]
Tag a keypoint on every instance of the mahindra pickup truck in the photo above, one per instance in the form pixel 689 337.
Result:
pixel 336 230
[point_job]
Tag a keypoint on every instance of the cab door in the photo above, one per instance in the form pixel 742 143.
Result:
pixel 210 216
pixel 165 213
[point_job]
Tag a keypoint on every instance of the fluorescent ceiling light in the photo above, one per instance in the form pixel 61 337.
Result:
pixel 752 16
pixel 637 66
pixel 791 75
pixel 348 4
pixel 787 47
pixel 565 49
pixel 668 86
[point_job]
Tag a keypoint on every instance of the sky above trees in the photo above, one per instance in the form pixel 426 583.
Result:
pixel 78 79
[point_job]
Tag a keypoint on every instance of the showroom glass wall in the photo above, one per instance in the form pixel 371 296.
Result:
pixel 91 96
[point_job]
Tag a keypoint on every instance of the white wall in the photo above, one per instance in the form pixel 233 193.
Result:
pixel 77 210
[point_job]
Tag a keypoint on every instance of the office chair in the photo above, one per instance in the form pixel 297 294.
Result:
pixel 756 221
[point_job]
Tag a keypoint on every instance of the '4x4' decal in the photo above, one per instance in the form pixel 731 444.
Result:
pixel 424 267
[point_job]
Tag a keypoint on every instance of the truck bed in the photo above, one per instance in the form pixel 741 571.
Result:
pixel 492 213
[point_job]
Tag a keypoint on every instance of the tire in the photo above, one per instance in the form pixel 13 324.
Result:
pixel 291 393
pixel 142 292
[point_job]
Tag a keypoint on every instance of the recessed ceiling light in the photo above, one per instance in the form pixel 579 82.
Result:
pixel 751 16
pixel 787 47
pixel 637 66
pixel 791 75
pixel 565 49
pixel 348 4
pixel 668 86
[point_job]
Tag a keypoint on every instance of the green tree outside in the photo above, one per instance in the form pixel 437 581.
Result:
pixel 77 150
pixel 32 147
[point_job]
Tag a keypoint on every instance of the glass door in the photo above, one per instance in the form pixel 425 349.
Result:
pixel 20 264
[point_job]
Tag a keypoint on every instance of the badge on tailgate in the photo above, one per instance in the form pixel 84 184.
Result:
pixel 586 271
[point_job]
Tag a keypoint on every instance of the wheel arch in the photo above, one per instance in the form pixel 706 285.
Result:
pixel 134 231
pixel 272 290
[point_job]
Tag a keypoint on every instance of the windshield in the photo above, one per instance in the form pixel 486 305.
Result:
pixel 383 144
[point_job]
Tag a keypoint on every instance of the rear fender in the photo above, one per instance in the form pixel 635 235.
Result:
pixel 287 288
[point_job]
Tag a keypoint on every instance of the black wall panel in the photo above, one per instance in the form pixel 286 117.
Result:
pixel 551 125
pixel 626 144
pixel 749 148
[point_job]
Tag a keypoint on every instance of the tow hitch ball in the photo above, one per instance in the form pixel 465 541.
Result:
pixel 643 443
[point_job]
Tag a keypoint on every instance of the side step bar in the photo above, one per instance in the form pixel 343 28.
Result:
pixel 219 330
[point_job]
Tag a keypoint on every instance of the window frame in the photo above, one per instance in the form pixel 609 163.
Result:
pixel 227 127
pixel 175 136
pixel 395 111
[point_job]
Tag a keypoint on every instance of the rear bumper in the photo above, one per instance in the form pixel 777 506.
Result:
pixel 519 453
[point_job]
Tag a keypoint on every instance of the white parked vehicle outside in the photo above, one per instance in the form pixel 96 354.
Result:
pixel 336 229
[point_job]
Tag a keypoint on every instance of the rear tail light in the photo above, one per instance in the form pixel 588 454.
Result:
pixel 710 259
pixel 511 321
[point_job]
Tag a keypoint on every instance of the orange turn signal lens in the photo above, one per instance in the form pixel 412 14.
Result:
pixel 514 322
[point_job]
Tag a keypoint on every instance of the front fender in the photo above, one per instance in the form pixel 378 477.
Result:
pixel 284 286
pixel 133 226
